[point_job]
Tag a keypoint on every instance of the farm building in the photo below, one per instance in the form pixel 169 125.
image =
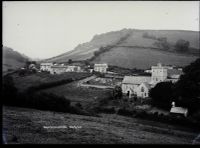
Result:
pixel 100 68
pixel 61 68
pixel 58 69
pixel 46 66
pixel 178 110
pixel 73 68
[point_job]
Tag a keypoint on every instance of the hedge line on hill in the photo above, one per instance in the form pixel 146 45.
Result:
pixel 49 85
pixel 38 100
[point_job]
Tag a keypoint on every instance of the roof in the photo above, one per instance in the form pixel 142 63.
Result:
pixel 179 110
pixel 146 85
pixel 46 64
pixel 174 72
pixel 136 79
pixel 58 66
pixel 101 65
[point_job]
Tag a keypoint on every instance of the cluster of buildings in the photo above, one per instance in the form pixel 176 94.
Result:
pixel 61 68
pixel 140 85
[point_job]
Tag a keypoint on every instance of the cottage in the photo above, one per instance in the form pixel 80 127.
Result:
pixel 73 68
pixel 46 66
pixel 100 68
pixel 58 69
pixel 178 110
pixel 130 84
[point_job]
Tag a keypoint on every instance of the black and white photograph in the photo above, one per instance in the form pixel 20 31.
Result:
pixel 101 72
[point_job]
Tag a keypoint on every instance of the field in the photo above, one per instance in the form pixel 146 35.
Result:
pixel 23 83
pixel 82 95
pixel 26 126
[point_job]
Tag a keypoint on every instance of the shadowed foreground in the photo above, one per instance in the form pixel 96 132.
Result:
pixel 22 125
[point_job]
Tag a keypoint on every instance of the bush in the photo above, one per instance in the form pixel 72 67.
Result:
pixel 125 112
pixel 109 110
pixel 49 85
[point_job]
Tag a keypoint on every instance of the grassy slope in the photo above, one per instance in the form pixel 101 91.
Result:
pixel 84 51
pixel 27 126
pixel 12 59
pixel 142 58
pixel 22 83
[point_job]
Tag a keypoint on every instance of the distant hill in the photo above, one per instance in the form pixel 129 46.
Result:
pixel 133 48
pixel 12 59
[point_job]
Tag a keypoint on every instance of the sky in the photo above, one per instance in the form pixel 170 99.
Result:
pixel 49 28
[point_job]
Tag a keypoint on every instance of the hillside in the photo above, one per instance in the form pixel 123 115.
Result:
pixel 12 59
pixel 26 126
pixel 136 48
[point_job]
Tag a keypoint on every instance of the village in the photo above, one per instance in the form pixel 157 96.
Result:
pixel 132 86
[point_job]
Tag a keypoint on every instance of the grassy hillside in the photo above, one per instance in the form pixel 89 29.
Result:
pixel 131 53
pixel 26 126
pixel 142 57
pixel 12 59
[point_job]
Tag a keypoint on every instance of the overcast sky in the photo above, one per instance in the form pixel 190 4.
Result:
pixel 46 29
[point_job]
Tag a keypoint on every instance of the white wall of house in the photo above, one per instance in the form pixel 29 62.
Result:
pixel 100 68
pixel 46 66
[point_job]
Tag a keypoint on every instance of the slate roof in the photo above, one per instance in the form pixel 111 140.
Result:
pixel 147 85
pixel 136 79
pixel 174 72
pixel 179 110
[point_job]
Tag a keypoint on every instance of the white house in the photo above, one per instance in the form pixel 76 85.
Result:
pixel 73 68
pixel 143 90
pixel 46 66
pixel 100 68
pixel 130 84
pixel 58 69
pixel 178 110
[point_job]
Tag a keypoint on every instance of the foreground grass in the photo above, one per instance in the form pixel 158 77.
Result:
pixel 22 125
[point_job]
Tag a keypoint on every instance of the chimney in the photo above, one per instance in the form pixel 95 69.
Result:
pixel 173 104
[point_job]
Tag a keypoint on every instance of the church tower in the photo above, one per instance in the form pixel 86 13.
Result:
pixel 159 73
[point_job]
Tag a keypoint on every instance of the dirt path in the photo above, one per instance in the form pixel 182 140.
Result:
pixel 27 126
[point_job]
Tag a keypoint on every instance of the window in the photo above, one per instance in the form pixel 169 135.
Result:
pixel 142 89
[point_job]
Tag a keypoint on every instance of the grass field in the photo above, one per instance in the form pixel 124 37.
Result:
pixel 26 126
pixel 83 95
pixel 23 83
pixel 142 58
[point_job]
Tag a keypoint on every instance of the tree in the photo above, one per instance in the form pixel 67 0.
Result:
pixel 162 95
pixel 187 89
pixel 182 45
pixel 117 92
pixel 69 61
pixel 9 90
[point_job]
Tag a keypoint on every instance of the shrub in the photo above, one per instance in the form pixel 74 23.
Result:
pixel 109 110
pixel 125 112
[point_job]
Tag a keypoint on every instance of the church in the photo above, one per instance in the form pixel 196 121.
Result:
pixel 140 85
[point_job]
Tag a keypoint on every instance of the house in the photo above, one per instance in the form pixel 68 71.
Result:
pixel 58 69
pixel 130 84
pixel 100 68
pixel 73 68
pixel 178 110
pixel 46 66
pixel 143 90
